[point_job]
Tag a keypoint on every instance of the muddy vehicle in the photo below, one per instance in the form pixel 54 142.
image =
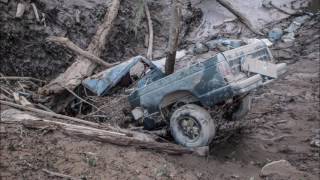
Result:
pixel 187 100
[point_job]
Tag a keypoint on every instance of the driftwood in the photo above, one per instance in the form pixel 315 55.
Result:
pixel 173 38
pixel 150 27
pixel 90 133
pixel 82 67
pixel 65 42
pixel 239 15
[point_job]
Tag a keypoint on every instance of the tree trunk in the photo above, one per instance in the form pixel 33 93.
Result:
pixel 239 15
pixel 173 38
pixel 90 133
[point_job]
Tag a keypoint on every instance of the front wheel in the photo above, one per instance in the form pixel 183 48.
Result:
pixel 192 126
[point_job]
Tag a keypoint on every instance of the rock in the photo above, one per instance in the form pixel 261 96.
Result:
pixel 231 43
pixel 200 48
pixel 212 44
pixel 275 34
pixel 315 141
pixel 281 169
pixel 267 4
pixel 296 23
pixel 2 129
pixel 289 37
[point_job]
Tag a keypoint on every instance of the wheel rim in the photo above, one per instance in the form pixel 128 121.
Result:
pixel 189 127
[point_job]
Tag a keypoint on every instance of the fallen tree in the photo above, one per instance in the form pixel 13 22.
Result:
pixel 90 133
pixel 82 67
pixel 239 15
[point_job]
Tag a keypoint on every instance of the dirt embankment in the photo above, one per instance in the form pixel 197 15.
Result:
pixel 285 117
pixel 24 51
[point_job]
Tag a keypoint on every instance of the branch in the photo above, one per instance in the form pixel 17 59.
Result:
pixel 90 133
pixel 65 42
pixel 239 15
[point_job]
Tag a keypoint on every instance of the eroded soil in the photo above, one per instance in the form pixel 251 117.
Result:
pixel 284 119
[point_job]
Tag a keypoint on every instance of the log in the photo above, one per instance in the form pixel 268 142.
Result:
pixel 239 15
pixel 82 67
pixel 173 38
pixel 50 114
pixel 76 120
pixel 150 27
pixel 65 42
pixel 90 133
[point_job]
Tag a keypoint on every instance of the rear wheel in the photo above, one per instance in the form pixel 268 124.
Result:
pixel 192 126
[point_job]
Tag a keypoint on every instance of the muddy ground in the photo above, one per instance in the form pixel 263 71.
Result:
pixel 284 120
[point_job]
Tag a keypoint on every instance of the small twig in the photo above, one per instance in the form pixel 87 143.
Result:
pixel 150 44
pixel 35 10
pixel 77 14
pixel 51 173
pixel 73 93
pixel 6 91
pixel 44 107
pixel 20 78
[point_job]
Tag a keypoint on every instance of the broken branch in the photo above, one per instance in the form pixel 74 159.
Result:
pixel 91 133
pixel 65 42
pixel 239 15
pixel 35 10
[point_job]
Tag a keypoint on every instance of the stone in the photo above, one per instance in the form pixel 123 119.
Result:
pixel 200 48
pixel 281 169
pixel 212 44
pixel 275 34
pixel 288 38
pixel 296 23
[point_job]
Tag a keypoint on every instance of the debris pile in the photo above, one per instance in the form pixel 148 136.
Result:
pixel 218 85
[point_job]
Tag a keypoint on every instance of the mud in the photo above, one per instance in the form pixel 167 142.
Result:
pixel 24 52
pixel 284 119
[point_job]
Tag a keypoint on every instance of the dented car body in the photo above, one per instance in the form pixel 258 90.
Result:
pixel 187 100
pixel 223 76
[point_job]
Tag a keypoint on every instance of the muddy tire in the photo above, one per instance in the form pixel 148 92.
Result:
pixel 242 109
pixel 192 126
